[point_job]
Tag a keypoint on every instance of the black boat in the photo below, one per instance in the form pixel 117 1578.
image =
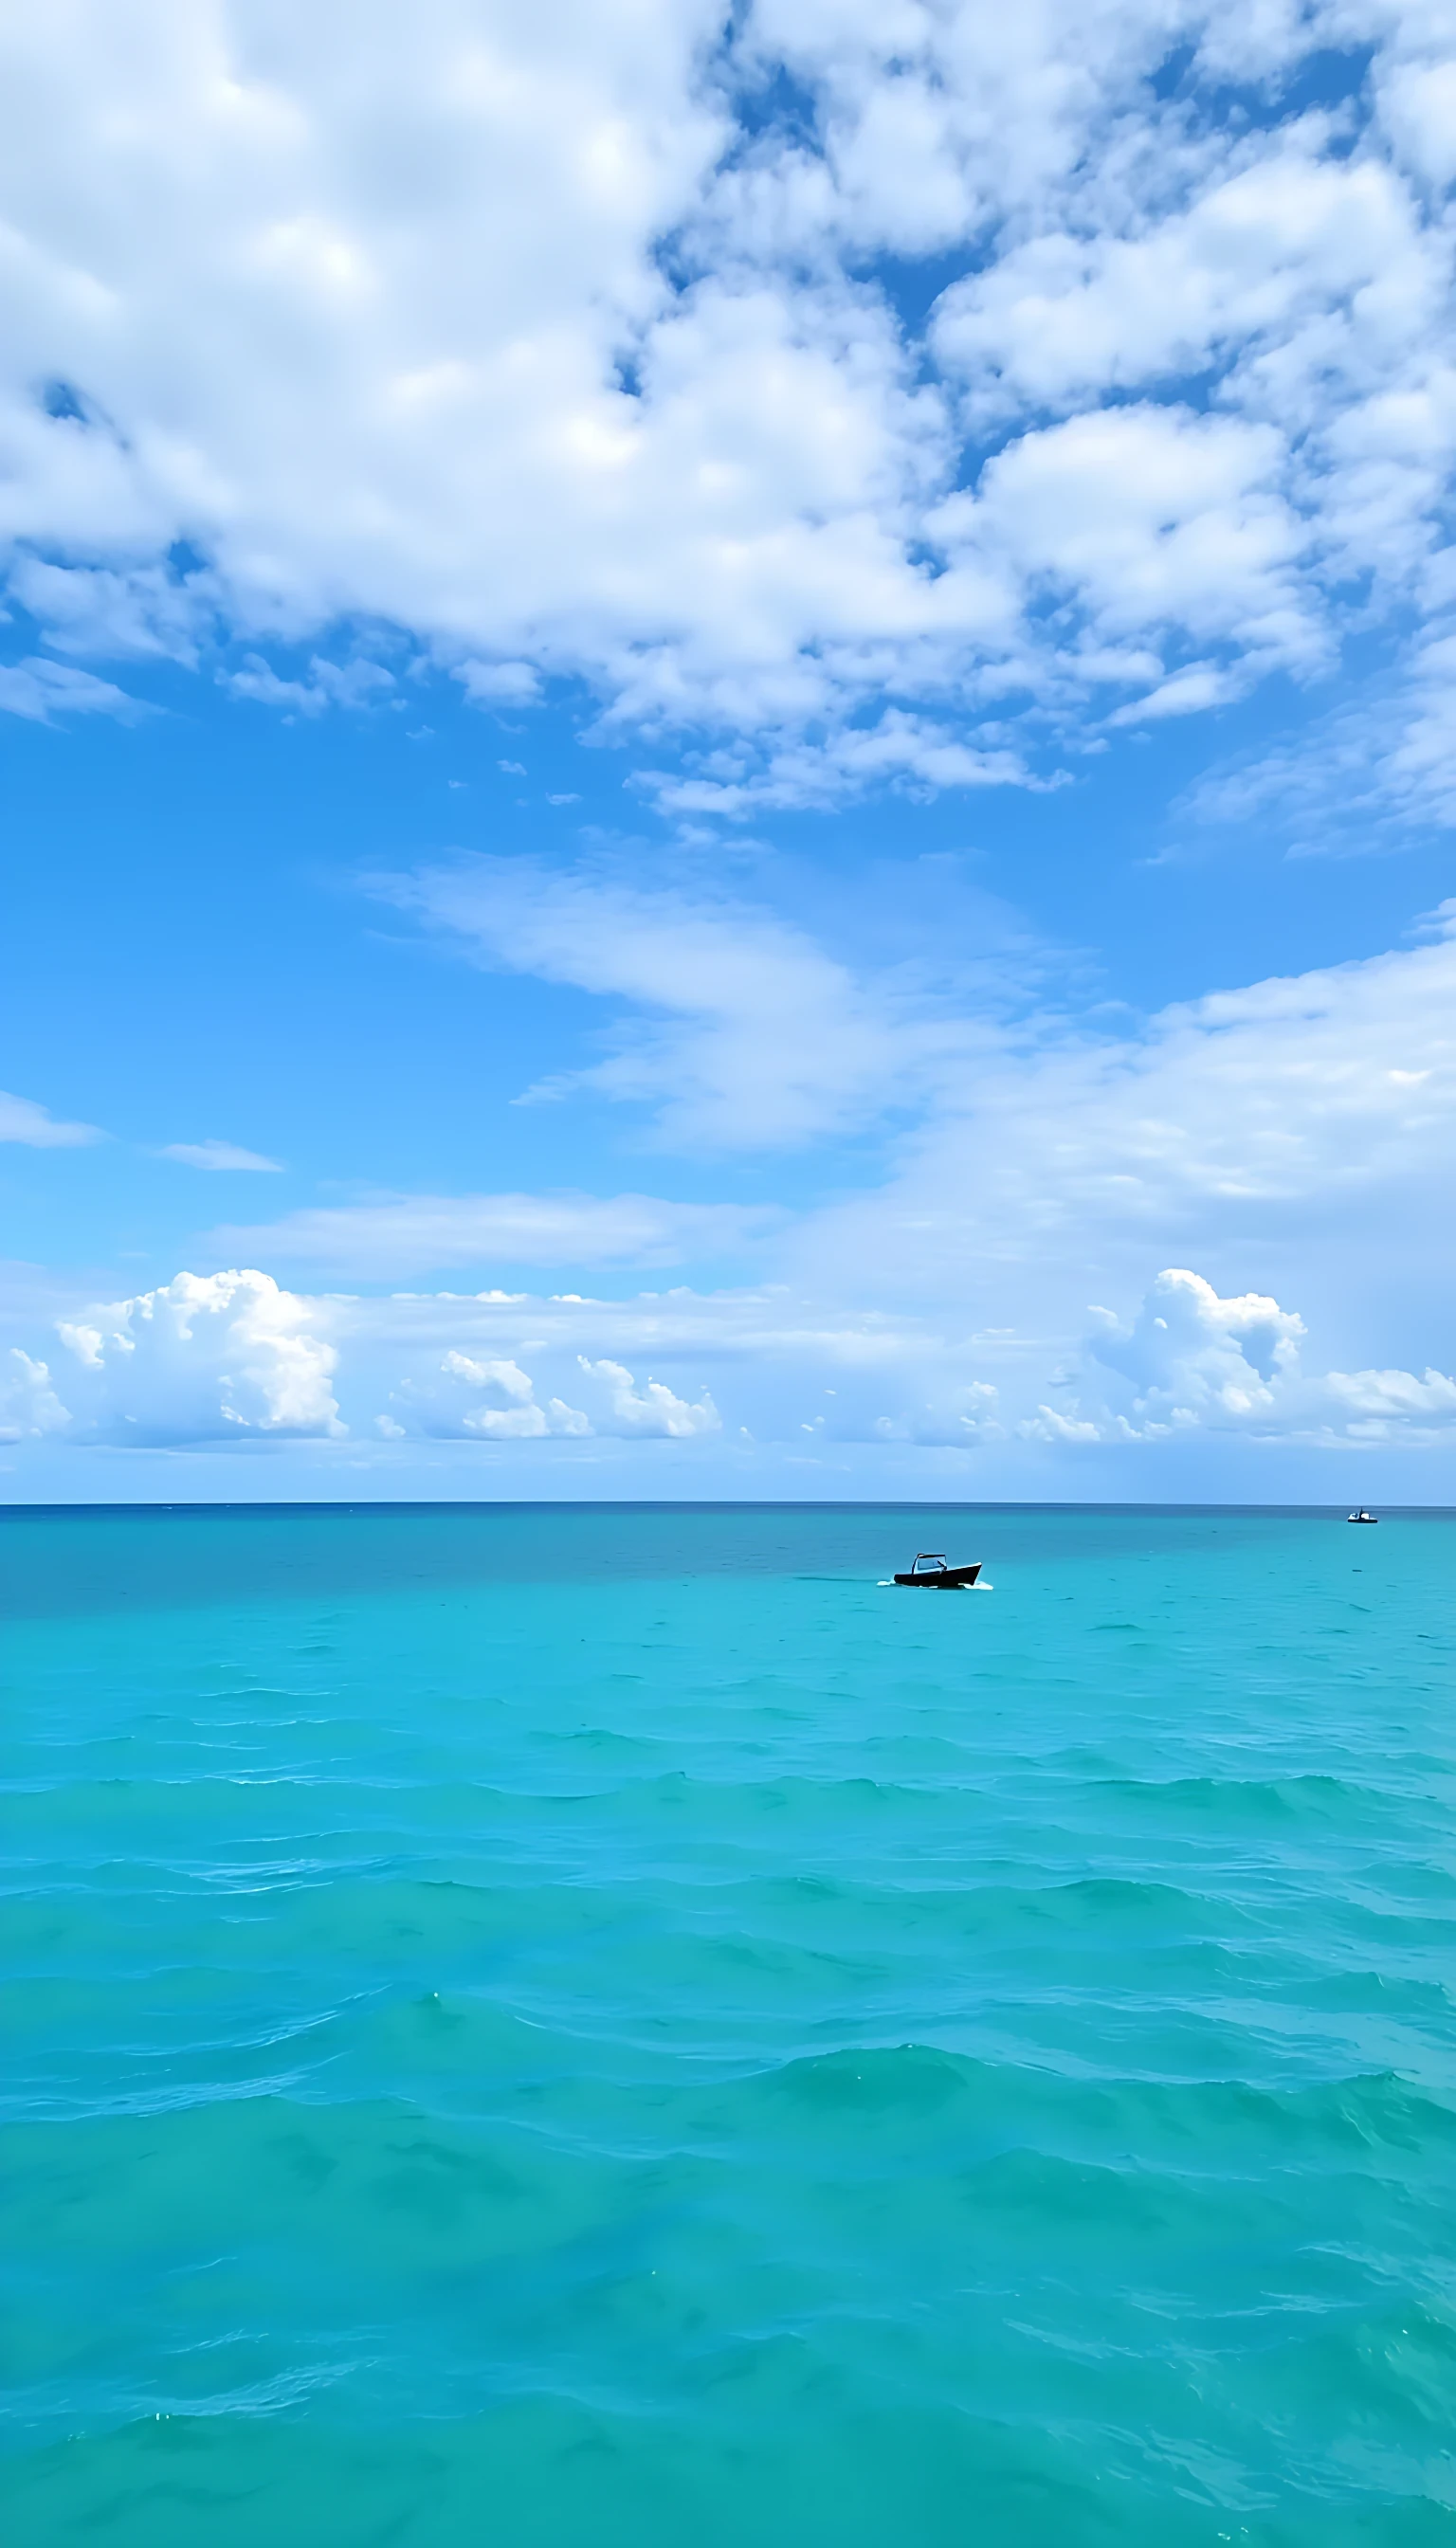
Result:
pixel 1362 1516
pixel 930 1570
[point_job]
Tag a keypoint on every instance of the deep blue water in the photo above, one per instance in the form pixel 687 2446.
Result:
pixel 610 2029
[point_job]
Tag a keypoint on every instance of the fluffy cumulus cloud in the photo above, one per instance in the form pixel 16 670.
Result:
pixel 1283 252
pixel 1191 1361
pixel 28 1404
pixel 489 1398
pixel 204 1358
pixel 652 1409
pixel 708 1371
pixel 561 346
pixel 486 1396
pixel 230 1360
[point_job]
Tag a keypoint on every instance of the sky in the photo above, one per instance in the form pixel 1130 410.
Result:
pixel 729 750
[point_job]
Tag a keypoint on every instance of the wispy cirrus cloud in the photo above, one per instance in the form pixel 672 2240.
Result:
pixel 1309 1117
pixel 392 1236
pixel 223 1157
pixel 1357 775
pixel 41 691
pixel 23 1121
pixel 735 1026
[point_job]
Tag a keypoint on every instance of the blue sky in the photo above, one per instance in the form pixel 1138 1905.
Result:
pixel 730 746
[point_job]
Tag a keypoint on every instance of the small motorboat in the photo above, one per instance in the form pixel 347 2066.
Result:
pixel 932 1569
pixel 1362 1516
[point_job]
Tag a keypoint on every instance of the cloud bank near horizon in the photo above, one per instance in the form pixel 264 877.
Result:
pixel 232 1358
pixel 1304 1122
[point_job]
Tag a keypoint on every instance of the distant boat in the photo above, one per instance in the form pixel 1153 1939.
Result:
pixel 1362 1516
pixel 932 1569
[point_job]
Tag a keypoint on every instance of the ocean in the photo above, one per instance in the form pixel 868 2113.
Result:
pixel 612 2028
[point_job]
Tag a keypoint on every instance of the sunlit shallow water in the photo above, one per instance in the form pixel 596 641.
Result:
pixel 555 2028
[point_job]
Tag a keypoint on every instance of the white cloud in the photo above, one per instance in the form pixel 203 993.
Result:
pixel 500 685
pixel 1198 685
pixel 202 1358
pixel 1300 1133
pixel 220 1155
pixel 103 611
pixel 1194 1358
pixel 1390 759
pixel 909 753
pixel 398 1235
pixel 21 1120
pixel 1292 1140
pixel 222 1359
pixel 1417 106
pixel 1380 1404
pixel 28 1404
pixel 404 352
pixel 1157 518
pixel 1017 1133
pixel 328 686
pixel 1314 1116
pixel 489 1399
pixel 41 691
pixel 1250 262
pixel 965 1415
pixel 570 1365
pixel 747 1033
pixel 652 1408
pixel 1193 1362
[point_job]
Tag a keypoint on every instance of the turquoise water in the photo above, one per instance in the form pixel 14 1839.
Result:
pixel 608 2029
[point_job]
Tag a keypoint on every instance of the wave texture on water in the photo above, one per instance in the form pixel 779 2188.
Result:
pixel 550 2030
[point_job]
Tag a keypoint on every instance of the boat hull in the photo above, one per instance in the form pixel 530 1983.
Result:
pixel 943 1579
